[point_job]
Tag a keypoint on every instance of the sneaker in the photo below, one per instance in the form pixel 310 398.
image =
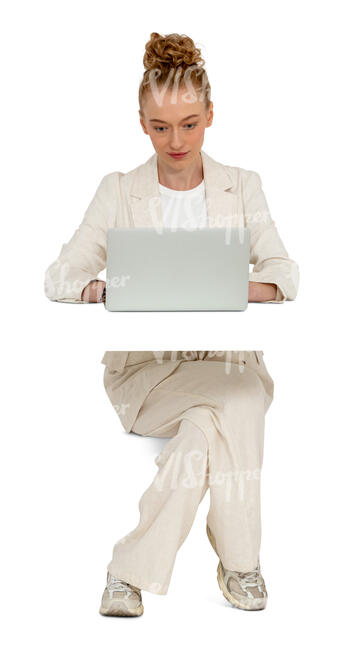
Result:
pixel 120 599
pixel 246 590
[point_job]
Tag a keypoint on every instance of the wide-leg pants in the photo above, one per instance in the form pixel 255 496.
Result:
pixel 212 407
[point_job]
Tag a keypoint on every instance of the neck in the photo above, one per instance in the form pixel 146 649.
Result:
pixel 181 179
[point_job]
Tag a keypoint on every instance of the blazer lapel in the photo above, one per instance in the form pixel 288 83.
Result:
pixel 220 190
pixel 222 203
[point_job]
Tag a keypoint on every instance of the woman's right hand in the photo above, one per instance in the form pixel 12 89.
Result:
pixel 93 292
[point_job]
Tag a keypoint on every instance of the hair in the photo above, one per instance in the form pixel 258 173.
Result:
pixel 173 57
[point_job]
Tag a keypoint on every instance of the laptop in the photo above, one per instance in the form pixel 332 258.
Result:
pixel 205 269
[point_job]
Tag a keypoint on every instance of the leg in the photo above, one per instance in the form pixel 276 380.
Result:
pixel 228 404
pixel 234 481
pixel 145 557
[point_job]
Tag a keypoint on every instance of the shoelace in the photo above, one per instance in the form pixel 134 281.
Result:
pixel 250 579
pixel 115 584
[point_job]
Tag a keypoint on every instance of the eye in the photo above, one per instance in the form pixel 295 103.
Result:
pixel 192 125
pixel 157 128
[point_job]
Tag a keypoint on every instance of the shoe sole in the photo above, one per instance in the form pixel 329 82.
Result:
pixel 260 603
pixel 114 610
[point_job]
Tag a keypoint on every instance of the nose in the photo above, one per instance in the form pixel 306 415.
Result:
pixel 176 141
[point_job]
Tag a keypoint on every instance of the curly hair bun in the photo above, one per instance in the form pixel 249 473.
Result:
pixel 169 51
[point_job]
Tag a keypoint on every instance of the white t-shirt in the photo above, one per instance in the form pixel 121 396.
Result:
pixel 184 208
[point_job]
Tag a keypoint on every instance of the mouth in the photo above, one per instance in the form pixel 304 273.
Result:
pixel 178 156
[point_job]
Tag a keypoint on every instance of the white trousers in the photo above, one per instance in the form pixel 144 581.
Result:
pixel 213 412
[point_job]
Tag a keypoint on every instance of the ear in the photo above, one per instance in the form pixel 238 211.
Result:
pixel 210 114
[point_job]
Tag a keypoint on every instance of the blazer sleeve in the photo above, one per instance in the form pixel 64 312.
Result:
pixel 271 263
pixel 84 256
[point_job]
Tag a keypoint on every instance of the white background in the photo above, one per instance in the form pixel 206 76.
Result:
pixel 282 81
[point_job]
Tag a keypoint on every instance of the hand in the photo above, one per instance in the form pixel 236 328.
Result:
pixel 261 291
pixel 93 292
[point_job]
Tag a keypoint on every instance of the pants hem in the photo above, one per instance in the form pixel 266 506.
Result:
pixel 153 587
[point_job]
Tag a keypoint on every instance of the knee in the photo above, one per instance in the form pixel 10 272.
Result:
pixel 243 395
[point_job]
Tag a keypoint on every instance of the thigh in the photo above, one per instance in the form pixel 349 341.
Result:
pixel 198 384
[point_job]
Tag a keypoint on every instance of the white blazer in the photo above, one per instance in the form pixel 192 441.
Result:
pixel 234 196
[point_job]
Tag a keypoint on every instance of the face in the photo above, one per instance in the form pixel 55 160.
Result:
pixel 175 126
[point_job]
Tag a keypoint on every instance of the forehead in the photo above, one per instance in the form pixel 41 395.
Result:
pixel 170 105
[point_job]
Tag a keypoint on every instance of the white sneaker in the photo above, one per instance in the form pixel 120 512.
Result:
pixel 120 599
pixel 246 590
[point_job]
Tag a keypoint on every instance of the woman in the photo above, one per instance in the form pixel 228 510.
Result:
pixel 212 407
pixel 178 179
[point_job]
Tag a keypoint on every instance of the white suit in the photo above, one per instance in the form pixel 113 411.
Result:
pixel 212 407
pixel 234 196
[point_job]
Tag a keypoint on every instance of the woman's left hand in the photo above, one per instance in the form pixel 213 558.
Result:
pixel 261 291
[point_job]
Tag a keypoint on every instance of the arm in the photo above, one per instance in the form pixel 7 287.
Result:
pixel 272 265
pixel 84 256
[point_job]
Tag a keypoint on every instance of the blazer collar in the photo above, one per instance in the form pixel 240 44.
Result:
pixel 145 195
